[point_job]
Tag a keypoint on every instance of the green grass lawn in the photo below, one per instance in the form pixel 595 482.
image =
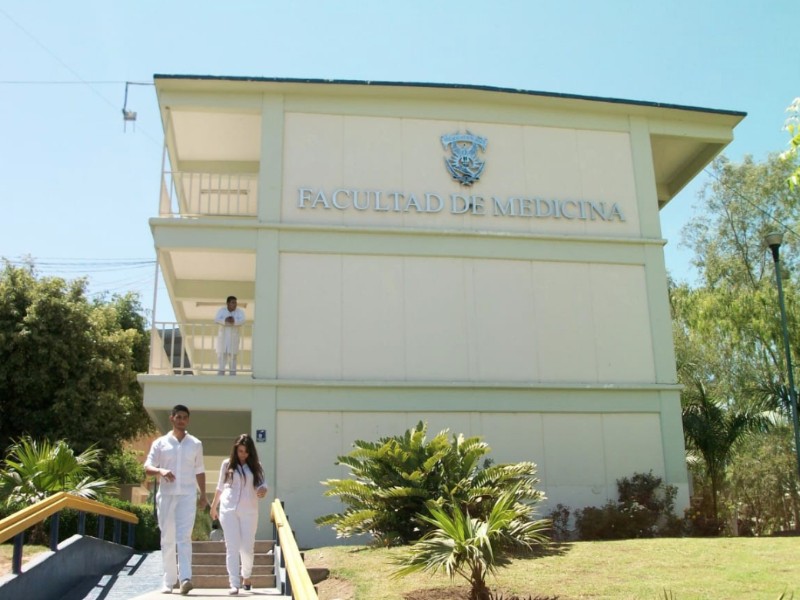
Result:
pixel 672 568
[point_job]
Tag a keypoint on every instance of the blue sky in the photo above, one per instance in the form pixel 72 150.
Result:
pixel 76 190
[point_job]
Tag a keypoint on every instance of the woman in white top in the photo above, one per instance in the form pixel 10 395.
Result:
pixel 241 484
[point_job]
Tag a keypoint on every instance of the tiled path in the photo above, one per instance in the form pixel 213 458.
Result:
pixel 140 579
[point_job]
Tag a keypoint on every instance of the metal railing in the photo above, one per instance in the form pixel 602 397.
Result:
pixel 14 526
pixel 191 349
pixel 291 572
pixel 193 194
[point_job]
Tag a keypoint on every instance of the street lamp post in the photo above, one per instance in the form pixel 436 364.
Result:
pixel 774 241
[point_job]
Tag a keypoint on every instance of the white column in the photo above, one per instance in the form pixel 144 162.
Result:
pixel 270 177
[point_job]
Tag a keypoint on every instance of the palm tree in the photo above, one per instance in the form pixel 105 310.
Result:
pixel 712 429
pixel 34 470
pixel 474 548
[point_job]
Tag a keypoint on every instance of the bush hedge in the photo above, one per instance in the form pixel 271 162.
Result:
pixel 146 534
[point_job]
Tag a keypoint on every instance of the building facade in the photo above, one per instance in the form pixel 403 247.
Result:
pixel 489 261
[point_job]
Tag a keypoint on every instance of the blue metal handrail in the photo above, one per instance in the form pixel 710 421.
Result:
pixel 15 525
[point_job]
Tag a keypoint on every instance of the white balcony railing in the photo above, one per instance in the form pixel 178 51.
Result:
pixel 190 349
pixel 192 194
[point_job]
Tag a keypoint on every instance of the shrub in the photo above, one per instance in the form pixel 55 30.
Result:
pixel 202 526
pixel 392 480
pixel 146 534
pixel 559 518
pixel 698 523
pixel 763 494
pixel 606 523
pixel 124 467
pixel 474 548
pixel 35 469
pixel 644 510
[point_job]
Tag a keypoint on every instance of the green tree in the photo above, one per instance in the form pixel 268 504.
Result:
pixel 67 365
pixel 741 204
pixel 764 490
pixel 474 548
pixel 392 480
pixel 727 329
pixel 731 320
pixel 793 127
pixel 712 430
pixel 35 470
pixel 124 467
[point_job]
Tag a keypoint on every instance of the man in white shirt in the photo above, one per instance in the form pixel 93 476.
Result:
pixel 177 460
pixel 230 319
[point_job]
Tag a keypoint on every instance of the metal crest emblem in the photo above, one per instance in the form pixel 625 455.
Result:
pixel 463 164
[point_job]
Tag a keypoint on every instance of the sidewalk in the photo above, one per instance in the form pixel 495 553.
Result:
pixel 196 593
pixel 140 579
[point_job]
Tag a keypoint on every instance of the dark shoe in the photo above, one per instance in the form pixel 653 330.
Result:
pixel 247 586
pixel 186 586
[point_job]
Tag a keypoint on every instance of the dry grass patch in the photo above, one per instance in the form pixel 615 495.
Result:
pixel 676 568
pixel 7 553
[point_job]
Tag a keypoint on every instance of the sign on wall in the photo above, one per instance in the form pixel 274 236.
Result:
pixel 465 161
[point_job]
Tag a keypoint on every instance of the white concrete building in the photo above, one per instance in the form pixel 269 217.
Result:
pixel 486 260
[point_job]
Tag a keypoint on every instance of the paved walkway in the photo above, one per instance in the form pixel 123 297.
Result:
pixel 140 579
pixel 211 594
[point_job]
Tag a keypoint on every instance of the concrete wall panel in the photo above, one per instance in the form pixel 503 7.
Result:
pixel 579 456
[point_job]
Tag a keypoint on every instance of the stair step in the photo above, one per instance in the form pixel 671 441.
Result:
pixel 222 570
pixel 210 582
pixel 262 546
pixel 209 571
pixel 219 559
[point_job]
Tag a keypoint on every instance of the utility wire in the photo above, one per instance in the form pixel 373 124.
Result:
pixel 129 274
pixel 97 263
pixel 88 267
pixel 80 79
pixel 43 82
pixel 58 59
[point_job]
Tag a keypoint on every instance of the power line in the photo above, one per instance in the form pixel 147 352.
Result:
pixel 61 82
pixel 97 261
pixel 80 79
pixel 82 265
pixel 128 274
pixel 57 58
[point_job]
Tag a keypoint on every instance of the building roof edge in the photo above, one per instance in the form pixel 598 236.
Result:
pixel 454 86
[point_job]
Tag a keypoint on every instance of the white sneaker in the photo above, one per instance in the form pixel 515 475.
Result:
pixel 186 586
pixel 166 590
pixel 233 591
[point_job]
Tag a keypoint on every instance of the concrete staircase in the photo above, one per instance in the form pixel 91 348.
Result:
pixel 208 565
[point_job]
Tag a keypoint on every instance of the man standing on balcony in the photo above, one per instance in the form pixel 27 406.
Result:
pixel 230 319
pixel 176 459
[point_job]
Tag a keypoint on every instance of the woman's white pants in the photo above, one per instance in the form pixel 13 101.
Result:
pixel 240 540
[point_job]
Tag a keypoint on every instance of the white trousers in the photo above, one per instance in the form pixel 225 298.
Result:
pixel 240 540
pixel 176 520
pixel 223 359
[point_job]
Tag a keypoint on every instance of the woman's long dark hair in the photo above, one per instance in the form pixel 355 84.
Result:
pixel 252 460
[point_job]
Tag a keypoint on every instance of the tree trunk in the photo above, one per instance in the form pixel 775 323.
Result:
pixel 479 590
